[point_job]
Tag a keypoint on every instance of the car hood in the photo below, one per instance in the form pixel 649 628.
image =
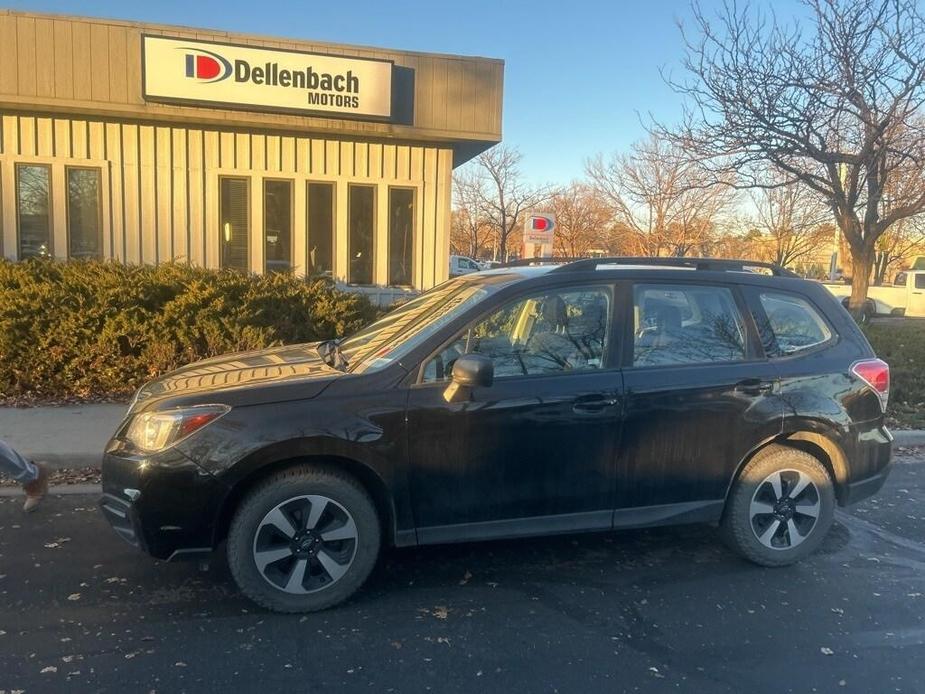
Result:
pixel 243 372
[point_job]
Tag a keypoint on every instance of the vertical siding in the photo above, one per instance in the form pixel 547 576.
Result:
pixel 195 185
pixel 9 56
pixel 117 240
pixel 160 187
pixel 130 189
pixel 63 48
pixel 8 145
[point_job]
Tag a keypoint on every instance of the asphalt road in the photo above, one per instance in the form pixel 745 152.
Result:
pixel 652 610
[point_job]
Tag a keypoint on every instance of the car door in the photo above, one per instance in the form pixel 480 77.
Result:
pixel 915 304
pixel 699 395
pixel 534 452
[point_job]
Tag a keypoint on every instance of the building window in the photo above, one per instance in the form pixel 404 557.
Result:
pixel 234 214
pixel 277 224
pixel 84 213
pixel 320 228
pixel 362 203
pixel 401 235
pixel 33 209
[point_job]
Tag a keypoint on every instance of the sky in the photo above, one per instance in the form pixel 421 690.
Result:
pixel 580 77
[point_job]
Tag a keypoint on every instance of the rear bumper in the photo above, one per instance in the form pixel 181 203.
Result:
pixel 164 505
pixel 865 488
pixel 870 465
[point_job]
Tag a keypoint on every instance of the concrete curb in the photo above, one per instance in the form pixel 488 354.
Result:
pixel 58 461
pixel 66 436
pixel 909 437
pixel 61 490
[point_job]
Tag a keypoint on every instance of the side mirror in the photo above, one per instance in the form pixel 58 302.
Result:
pixel 473 370
pixel 469 370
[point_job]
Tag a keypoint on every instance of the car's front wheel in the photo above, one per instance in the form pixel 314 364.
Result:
pixel 780 508
pixel 304 540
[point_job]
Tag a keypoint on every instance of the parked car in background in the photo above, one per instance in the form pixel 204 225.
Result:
pixel 463 265
pixel 587 396
pixel 905 297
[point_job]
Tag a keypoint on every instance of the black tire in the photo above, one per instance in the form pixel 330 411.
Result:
pixel 740 527
pixel 283 488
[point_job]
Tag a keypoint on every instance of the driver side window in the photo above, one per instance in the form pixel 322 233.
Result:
pixel 555 331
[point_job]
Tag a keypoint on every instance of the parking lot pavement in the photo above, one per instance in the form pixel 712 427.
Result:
pixel 648 610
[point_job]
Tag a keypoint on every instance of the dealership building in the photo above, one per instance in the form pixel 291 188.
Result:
pixel 151 144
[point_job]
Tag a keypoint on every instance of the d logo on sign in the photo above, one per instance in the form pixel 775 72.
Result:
pixel 540 223
pixel 207 66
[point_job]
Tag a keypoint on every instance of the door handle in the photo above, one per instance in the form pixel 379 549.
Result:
pixel 754 386
pixel 593 403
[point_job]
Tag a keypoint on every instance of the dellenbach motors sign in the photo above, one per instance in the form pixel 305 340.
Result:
pixel 265 79
pixel 540 228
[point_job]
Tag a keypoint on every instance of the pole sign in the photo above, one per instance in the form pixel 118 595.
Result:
pixel 229 75
pixel 540 228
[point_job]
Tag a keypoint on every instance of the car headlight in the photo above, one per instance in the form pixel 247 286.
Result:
pixel 156 431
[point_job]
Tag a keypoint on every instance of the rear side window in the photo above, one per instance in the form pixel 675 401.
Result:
pixel 920 281
pixel 686 324
pixel 792 324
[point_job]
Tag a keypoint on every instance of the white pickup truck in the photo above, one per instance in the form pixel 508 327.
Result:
pixel 905 297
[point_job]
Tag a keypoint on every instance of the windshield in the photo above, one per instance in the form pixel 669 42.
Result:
pixel 401 330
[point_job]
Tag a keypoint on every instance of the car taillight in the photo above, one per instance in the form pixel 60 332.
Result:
pixel 876 374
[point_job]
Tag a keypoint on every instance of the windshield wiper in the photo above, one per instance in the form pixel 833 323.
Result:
pixel 329 351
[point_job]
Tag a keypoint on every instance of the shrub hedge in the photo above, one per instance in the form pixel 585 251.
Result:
pixel 86 330
pixel 901 343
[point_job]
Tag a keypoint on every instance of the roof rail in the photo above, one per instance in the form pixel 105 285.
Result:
pixel 713 264
pixel 524 262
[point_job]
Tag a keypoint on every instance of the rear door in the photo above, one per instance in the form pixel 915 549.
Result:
pixel 699 395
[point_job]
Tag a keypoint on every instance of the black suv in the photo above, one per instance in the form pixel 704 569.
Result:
pixel 554 398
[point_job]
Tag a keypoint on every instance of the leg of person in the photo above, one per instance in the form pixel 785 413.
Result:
pixel 33 477
pixel 16 467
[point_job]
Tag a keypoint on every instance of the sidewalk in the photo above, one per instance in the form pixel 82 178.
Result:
pixel 75 435
pixel 66 436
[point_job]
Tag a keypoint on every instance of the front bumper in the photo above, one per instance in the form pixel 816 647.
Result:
pixel 165 505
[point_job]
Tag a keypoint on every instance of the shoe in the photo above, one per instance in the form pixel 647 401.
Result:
pixel 36 490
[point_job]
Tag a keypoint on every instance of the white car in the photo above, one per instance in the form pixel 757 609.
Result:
pixel 462 265
pixel 905 297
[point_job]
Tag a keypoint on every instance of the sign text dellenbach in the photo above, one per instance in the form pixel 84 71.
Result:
pixel 196 71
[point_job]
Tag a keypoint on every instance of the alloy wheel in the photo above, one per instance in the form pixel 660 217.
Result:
pixel 305 544
pixel 784 509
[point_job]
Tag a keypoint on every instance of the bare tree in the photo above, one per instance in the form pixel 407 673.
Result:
pixel 902 240
pixel 661 194
pixel 836 108
pixel 583 221
pixel 791 217
pixel 504 197
pixel 470 231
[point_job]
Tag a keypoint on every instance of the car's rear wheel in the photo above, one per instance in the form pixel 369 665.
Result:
pixel 304 540
pixel 780 508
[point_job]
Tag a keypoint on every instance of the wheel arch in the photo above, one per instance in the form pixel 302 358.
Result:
pixel 368 478
pixel 818 445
